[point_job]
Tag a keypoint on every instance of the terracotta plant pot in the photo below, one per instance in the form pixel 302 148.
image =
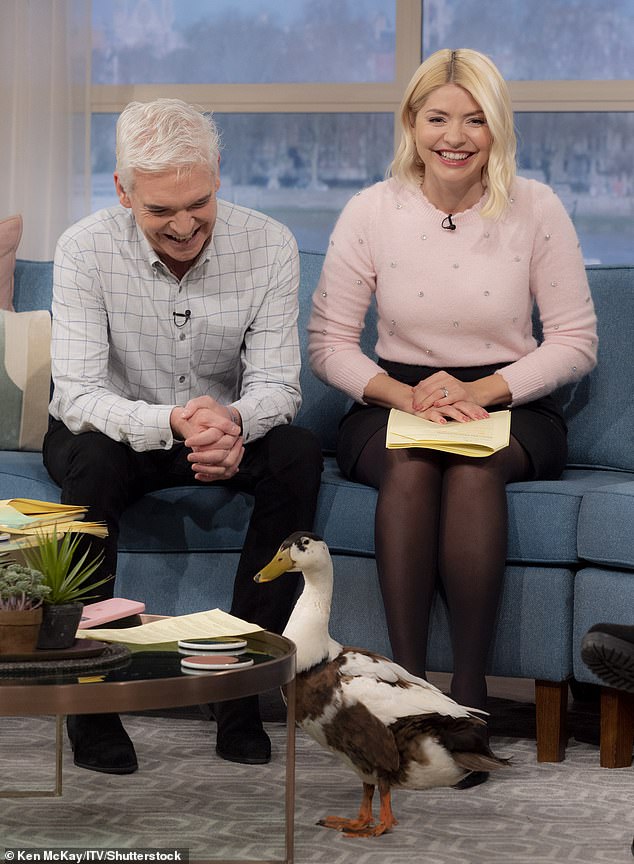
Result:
pixel 19 630
pixel 59 625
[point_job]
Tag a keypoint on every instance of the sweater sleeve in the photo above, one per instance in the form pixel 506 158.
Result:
pixel 341 301
pixel 559 284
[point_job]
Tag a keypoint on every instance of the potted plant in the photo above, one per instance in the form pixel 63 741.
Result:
pixel 66 573
pixel 22 591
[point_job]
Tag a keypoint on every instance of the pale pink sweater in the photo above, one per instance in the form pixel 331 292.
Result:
pixel 454 298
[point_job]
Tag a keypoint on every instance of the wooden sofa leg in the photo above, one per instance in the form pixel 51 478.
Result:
pixel 551 705
pixel 617 728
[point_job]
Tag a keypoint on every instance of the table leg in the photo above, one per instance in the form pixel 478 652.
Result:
pixel 289 792
pixel 45 793
pixel 290 771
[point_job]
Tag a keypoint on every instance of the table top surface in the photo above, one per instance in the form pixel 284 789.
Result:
pixel 151 677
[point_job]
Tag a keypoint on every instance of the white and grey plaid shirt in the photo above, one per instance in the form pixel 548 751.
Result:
pixel 121 363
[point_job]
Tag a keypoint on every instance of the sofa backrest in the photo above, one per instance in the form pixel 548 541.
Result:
pixel 32 285
pixel 322 406
pixel 599 409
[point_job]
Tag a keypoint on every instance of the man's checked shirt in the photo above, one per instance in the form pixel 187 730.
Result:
pixel 121 362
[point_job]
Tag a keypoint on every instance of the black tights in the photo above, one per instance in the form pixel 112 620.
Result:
pixel 441 517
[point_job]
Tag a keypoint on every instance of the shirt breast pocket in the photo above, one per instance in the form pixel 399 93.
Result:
pixel 218 351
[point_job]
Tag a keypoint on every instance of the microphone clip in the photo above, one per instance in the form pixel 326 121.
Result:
pixel 186 315
pixel 448 224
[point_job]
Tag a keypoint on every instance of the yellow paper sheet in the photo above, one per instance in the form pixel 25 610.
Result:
pixel 475 438
pixel 199 625
pixel 21 513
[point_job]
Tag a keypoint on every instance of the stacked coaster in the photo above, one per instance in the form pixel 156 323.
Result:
pixel 213 655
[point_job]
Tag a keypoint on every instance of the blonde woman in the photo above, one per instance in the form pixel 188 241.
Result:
pixel 455 250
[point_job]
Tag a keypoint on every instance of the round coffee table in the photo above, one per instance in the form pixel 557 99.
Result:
pixel 152 678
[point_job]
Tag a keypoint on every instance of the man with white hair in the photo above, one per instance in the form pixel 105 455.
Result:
pixel 176 361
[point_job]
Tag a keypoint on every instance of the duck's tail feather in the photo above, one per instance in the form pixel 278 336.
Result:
pixel 479 761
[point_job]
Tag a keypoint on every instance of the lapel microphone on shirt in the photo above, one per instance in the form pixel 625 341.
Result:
pixel 448 224
pixel 187 314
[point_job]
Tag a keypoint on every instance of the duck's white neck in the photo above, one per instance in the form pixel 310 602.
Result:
pixel 308 625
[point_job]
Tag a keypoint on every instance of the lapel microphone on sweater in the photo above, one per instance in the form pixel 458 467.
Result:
pixel 448 224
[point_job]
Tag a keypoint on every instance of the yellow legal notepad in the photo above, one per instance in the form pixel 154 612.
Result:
pixel 475 438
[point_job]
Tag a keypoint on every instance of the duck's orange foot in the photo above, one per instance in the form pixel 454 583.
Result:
pixel 348 826
pixel 357 827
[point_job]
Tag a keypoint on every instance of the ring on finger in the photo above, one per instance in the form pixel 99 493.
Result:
pixel 445 392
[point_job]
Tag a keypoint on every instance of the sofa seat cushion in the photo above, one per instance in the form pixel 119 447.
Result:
pixel 606 525
pixel 186 519
pixel 22 475
pixel 542 515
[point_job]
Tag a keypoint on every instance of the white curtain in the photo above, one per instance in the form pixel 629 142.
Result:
pixel 44 118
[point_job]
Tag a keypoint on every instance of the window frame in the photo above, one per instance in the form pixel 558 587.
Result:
pixel 542 95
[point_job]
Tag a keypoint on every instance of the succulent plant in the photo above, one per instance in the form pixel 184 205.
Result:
pixel 21 587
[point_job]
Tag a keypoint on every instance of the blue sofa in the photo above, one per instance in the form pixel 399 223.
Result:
pixel 570 545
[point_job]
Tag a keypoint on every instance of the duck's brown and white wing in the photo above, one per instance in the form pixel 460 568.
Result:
pixel 389 691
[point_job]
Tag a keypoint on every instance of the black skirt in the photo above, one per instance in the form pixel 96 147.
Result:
pixel 539 426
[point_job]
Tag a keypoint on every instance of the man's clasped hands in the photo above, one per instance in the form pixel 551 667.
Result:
pixel 207 428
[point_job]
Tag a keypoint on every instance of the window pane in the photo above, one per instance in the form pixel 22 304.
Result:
pixel 586 158
pixel 535 40
pixel 298 168
pixel 242 41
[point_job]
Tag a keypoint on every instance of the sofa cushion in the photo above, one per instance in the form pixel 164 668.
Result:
pixel 322 406
pixel 187 519
pixel 33 285
pixel 606 525
pixel 22 475
pixel 25 378
pixel 599 410
pixel 542 514
pixel 10 234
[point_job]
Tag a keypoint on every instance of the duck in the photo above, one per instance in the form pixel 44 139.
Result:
pixel 392 728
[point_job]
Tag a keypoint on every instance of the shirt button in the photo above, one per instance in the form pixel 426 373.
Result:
pixel 181 379
pixel 162 443
pixel 182 337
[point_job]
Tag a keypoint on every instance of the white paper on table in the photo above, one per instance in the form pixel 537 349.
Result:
pixel 198 625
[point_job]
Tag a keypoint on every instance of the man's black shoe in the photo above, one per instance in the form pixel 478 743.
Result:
pixel 251 747
pixel 241 736
pixel 100 743
pixel 608 650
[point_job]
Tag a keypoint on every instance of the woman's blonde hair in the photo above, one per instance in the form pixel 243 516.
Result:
pixel 479 76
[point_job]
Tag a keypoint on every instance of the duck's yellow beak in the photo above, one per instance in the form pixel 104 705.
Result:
pixel 276 567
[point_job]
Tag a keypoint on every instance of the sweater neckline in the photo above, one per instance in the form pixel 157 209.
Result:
pixel 423 203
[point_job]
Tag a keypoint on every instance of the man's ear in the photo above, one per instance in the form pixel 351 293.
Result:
pixel 124 198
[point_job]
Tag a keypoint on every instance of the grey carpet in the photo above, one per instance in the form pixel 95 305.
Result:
pixel 185 796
